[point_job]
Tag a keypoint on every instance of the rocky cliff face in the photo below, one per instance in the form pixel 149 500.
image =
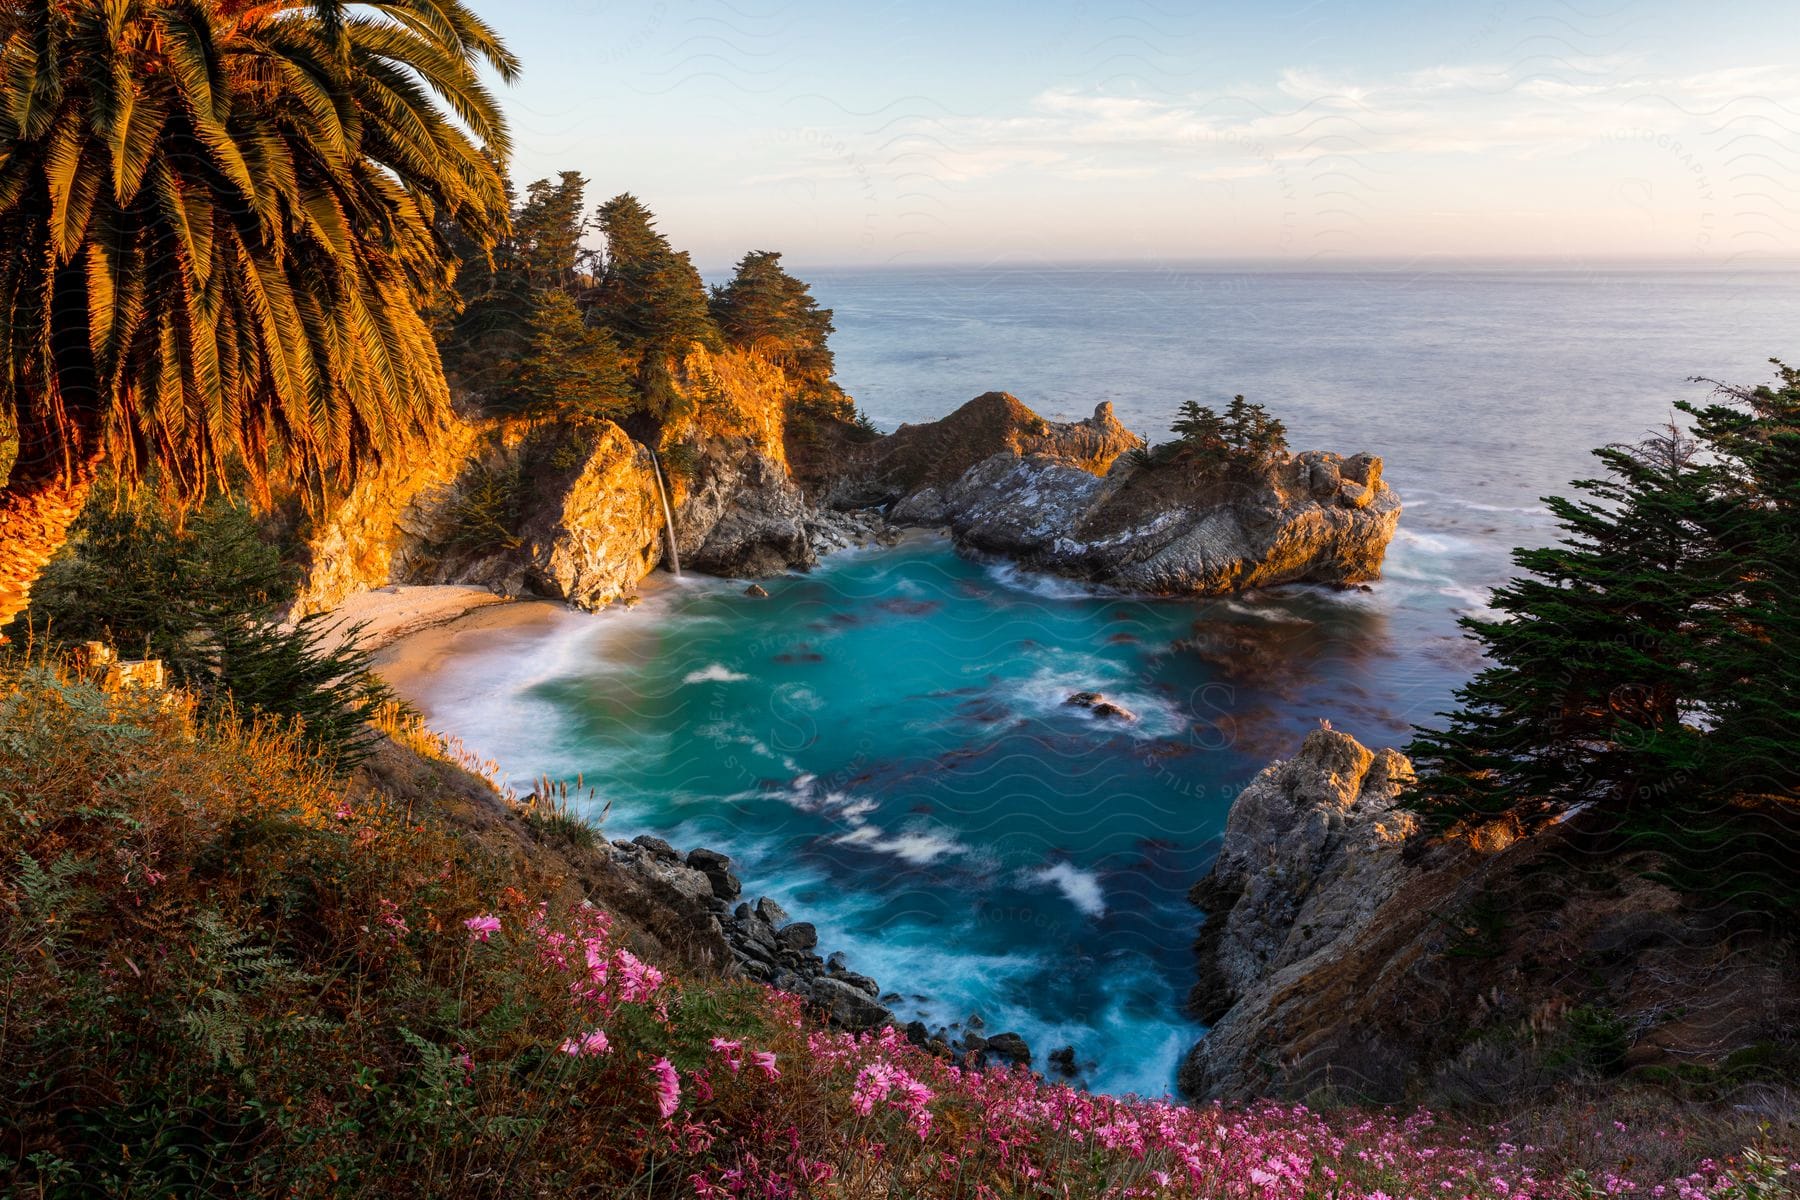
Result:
pixel 570 510
pixel 1069 498
pixel 1343 949
pixel 561 510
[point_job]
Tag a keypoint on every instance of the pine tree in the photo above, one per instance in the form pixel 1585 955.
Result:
pixel 1199 432
pixel 767 310
pixel 648 293
pixel 570 367
pixel 1598 659
pixel 502 292
pixel 1754 705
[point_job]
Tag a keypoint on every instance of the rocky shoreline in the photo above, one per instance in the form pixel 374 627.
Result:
pixel 769 946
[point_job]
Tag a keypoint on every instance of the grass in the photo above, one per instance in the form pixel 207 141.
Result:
pixel 225 971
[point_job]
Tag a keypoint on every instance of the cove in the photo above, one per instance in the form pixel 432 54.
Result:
pixel 884 746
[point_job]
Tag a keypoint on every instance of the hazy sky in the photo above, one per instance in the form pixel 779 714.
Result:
pixel 1035 130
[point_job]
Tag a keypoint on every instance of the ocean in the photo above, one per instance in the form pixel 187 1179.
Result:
pixel 882 744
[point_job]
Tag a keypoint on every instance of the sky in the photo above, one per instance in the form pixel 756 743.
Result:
pixel 1035 131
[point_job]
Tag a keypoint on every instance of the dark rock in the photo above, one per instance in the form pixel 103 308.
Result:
pixel 800 936
pixel 657 847
pixel 725 885
pixel 837 962
pixel 849 1008
pixel 861 983
pixel 705 860
pixel 771 912
pixel 1009 1047
pixel 741 912
pixel 974 1043
pixel 916 1033
pixel 757 590
pixel 1063 1060
pixel 1100 706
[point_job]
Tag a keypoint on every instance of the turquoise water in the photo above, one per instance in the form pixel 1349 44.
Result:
pixel 885 747
pixel 883 744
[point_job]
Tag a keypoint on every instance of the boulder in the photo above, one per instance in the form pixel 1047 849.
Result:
pixel 1009 1048
pixel 771 912
pixel 799 936
pixel 657 847
pixel 847 1007
pixel 757 591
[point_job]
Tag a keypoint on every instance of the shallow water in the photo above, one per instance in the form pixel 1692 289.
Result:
pixel 884 744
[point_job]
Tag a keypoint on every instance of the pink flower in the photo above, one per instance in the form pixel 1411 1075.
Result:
pixel 638 980
pixel 732 1052
pixel 483 927
pixel 393 919
pixel 766 1060
pixel 587 1045
pixel 668 1087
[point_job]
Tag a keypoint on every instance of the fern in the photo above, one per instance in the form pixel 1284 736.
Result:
pixel 235 968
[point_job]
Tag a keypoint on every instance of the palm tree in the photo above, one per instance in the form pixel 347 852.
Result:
pixel 219 221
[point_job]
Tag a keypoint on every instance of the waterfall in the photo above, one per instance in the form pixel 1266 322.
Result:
pixel 662 493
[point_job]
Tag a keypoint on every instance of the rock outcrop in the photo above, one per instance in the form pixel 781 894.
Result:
pixel 555 509
pixel 764 943
pixel 1070 498
pixel 1344 949
pixel 1311 852
pixel 569 510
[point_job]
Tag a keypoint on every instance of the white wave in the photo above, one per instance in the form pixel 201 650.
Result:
pixel 714 673
pixel 915 847
pixel 1081 888
pixel 1474 602
pixel 1046 694
pixel 1046 587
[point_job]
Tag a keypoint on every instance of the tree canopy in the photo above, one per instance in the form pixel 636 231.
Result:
pixel 1647 659
pixel 223 221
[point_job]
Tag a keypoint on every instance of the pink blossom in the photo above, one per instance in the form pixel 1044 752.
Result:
pixel 587 1045
pixel 730 1051
pixel 766 1060
pixel 668 1087
pixel 483 927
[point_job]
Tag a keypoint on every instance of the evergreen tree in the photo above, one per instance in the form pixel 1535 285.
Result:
pixel 648 293
pixel 767 310
pixel 570 366
pixel 1199 432
pixel 201 597
pixel 1254 438
pixel 1598 661
pixel 502 292
pixel 1754 706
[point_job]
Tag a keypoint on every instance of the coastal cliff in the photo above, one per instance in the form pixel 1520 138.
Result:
pixel 1075 499
pixel 569 509
pixel 1343 948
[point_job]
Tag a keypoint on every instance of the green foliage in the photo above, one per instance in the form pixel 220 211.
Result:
pixel 136 579
pixel 767 310
pixel 1640 663
pixel 484 517
pixel 505 296
pixel 1246 439
pixel 649 295
pixel 569 368
pixel 313 673
pixel 200 596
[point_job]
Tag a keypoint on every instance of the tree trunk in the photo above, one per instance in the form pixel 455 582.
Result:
pixel 35 515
